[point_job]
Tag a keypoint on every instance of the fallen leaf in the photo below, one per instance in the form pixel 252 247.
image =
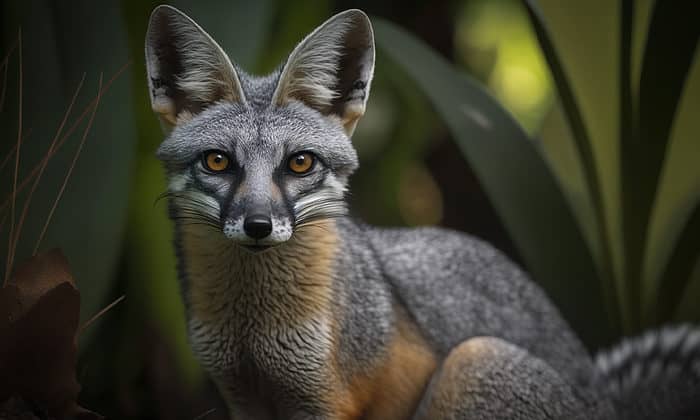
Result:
pixel 39 314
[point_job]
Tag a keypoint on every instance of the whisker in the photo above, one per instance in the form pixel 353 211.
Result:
pixel 188 197
pixel 191 221
pixel 314 219
pixel 190 209
pixel 319 207
pixel 160 197
pixel 195 216
pixel 324 229
pixel 199 210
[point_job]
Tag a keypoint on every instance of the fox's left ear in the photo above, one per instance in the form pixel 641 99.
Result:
pixel 331 69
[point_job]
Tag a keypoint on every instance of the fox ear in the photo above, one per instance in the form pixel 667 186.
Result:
pixel 331 69
pixel 187 70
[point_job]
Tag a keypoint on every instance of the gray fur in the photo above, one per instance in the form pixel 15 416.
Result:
pixel 478 367
pixel 285 333
pixel 457 287
pixel 656 373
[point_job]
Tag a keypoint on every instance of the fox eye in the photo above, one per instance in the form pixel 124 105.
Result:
pixel 301 163
pixel 216 161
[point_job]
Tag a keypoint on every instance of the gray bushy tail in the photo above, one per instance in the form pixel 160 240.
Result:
pixel 656 375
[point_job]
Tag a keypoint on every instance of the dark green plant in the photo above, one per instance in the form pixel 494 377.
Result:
pixel 57 57
pixel 600 296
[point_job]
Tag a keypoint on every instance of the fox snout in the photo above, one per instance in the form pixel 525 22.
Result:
pixel 258 227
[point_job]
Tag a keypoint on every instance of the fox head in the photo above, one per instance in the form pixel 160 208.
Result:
pixel 256 158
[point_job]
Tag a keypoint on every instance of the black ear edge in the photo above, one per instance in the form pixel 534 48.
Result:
pixel 159 88
pixel 164 64
pixel 356 70
pixel 337 65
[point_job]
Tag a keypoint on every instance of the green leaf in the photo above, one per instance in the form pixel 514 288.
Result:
pixel 59 45
pixel 628 131
pixel 239 27
pixel 687 310
pixel 679 267
pixel 677 195
pixel 293 21
pixel 585 152
pixel 627 120
pixel 516 178
pixel 670 48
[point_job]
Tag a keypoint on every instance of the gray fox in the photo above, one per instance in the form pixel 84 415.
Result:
pixel 297 311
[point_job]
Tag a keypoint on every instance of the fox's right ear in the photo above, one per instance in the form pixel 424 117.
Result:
pixel 187 70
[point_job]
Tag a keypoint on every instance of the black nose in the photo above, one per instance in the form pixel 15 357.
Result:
pixel 257 226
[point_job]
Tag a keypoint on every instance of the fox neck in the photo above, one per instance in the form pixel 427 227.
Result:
pixel 291 282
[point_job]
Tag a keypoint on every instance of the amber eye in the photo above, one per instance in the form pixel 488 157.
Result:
pixel 216 161
pixel 301 163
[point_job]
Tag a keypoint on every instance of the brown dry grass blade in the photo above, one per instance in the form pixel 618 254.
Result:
pixel 44 162
pixel 4 87
pixel 4 67
pixel 8 264
pixel 11 153
pixel 205 414
pixel 71 167
pixel 2 222
pixel 6 59
pixel 99 314
pixel 68 133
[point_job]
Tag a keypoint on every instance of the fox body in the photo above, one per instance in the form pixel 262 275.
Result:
pixel 297 311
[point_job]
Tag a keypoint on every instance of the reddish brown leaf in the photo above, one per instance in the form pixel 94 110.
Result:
pixel 39 314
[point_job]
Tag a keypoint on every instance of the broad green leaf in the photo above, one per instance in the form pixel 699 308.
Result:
pixel 628 131
pixel 293 21
pixel 240 27
pixel 585 35
pixel 559 149
pixel 677 275
pixel 687 310
pixel 584 148
pixel 668 55
pixel 59 45
pixel 678 193
pixel 628 122
pixel 640 27
pixel 517 179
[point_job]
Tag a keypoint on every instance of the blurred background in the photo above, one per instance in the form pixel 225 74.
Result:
pixel 565 133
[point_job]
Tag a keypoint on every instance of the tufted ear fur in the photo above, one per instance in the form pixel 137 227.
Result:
pixel 187 70
pixel 331 69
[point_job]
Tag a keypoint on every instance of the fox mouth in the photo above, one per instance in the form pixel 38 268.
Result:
pixel 256 248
